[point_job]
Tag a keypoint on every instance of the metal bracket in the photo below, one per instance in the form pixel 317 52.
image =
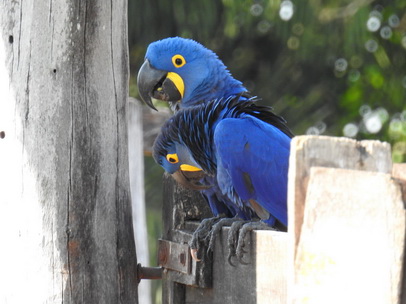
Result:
pixel 174 256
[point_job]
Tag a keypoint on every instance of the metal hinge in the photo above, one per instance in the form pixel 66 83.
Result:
pixel 174 256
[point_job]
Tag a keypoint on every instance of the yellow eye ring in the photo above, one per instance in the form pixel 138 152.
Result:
pixel 172 158
pixel 178 61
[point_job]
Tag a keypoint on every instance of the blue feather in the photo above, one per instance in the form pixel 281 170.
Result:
pixel 250 149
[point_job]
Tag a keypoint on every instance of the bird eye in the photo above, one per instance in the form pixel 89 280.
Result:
pixel 172 158
pixel 178 61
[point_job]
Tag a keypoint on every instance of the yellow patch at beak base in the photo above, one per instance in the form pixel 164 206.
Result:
pixel 177 81
pixel 185 167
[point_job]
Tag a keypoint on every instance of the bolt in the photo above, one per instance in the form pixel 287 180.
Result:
pixel 182 258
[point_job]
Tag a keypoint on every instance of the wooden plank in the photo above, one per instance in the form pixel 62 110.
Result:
pixel 180 205
pixel 136 169
pixel 332 152
pixel 182 210
pixel 271 266
pixel 352 240
pixel 399 173
pixel 262 280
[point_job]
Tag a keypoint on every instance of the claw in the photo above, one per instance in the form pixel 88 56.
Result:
pixel 201 236
pixel 240 259
pixel 229 259
pixel 242 249
pixel 239 252
pixel 233 239
pixel 225 222
pixel 236 238
pixel 193 253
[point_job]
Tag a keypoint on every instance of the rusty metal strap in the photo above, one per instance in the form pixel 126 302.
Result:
pixel 174 256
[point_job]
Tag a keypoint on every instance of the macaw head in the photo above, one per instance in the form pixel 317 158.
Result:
pixel 177 160
pixel 184 73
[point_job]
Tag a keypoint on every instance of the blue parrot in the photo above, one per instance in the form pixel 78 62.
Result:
pixel 185 73
pixel 238 150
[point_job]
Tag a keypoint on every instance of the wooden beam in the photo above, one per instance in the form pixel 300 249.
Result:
pixel 271 266
pixel 399 174
pixel 182 211
pixel 262 280
pixel 351 245
pixel 331 152
pixel 136 170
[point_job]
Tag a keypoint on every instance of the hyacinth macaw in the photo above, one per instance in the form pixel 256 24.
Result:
pixel 184 73
pixel 242 146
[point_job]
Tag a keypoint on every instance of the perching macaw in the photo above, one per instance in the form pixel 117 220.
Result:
pixel 184 73
pixel 244 147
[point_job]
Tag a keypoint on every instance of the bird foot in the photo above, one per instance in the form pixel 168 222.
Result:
pixel 233 239
pixel 236 238
pixel 202 235
pixel 216 229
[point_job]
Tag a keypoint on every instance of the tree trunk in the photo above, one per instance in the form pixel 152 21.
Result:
pixel 65 213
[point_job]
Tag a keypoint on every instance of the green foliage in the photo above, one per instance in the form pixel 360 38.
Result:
pixel 332 67
pixel 316 63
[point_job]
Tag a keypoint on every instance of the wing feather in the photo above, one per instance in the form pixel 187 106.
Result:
pixel 250 149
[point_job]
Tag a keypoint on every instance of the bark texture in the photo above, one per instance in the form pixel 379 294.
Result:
pixel 65 204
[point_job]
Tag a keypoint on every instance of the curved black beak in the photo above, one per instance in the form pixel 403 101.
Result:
pixel 190 180
pixel 147 79
pixel 157 84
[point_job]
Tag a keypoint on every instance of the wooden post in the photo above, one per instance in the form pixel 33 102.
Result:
pixel 65 213
pixel 182 210
pixel 399 173
pixel 348 221
pixel 331 152
pixel 262 280
pixel 352 241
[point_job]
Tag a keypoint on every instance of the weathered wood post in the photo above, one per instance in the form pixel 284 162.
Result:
pixel 65 214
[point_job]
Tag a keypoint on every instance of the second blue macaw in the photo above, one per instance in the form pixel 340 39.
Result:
pixel 241 146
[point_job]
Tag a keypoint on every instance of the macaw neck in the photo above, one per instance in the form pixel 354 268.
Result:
pixel 219 85
pixel 203 147
pixel 205 150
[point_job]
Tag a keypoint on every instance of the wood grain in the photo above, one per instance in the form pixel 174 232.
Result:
pixel 352 239
pixel 332 152
pixel 65 203
pixel 262 280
